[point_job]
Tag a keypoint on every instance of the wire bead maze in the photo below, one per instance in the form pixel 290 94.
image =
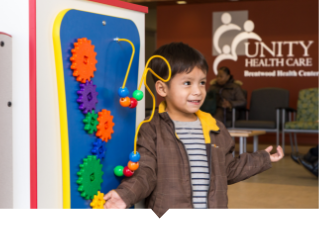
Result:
pixel 132 102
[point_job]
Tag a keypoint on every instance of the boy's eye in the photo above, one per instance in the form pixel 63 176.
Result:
pixel 187 83
pixel 203 83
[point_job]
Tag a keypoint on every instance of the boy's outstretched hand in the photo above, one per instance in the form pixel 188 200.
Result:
pixel 276 156
pixel 113 201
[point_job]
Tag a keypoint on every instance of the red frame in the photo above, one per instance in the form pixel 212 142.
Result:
pixel 3 33
pixel 33 87
pixel 124 5
pixel 33 103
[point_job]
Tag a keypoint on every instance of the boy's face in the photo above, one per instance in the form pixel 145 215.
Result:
pixel 185 95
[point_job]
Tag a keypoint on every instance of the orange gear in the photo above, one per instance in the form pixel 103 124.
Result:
pixel 105 125
pixel 83 60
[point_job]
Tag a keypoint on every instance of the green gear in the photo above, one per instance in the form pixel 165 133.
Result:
pixel 91 122
pixel 90 177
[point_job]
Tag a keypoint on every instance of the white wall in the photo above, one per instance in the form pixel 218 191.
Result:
pixel 14 20
pixel 6 168
pixel 49 144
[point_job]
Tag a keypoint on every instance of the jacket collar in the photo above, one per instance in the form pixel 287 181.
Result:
pixel 207 121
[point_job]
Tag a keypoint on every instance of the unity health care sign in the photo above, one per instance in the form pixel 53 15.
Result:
pixel 233 36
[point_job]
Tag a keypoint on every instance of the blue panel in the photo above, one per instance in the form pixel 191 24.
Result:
pixel 113 58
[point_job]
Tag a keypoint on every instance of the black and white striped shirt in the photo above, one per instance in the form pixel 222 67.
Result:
pixel 191 135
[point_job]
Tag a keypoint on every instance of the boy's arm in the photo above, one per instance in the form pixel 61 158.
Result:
pixel 246 165
pixel 141 184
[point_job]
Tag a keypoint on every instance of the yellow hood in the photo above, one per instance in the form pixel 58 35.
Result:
pixel 207 121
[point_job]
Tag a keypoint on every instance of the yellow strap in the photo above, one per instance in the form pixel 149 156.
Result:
pixel 66 187
pixel 144 77
pixel 128 70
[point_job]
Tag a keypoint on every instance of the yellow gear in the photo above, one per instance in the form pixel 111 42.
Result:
pixel 98 201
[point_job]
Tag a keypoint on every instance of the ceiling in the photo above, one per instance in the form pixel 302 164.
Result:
pixel 153 3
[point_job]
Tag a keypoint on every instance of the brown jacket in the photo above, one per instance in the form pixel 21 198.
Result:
pixel 163 177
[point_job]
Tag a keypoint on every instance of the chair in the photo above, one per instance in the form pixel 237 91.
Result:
pixel 210 103
pixel 307 116
pixel 264 113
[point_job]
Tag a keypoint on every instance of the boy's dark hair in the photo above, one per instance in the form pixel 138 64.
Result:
pixel 181 57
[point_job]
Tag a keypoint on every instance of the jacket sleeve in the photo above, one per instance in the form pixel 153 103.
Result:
pixel 239 98
pixel 246 165
pixel 141 184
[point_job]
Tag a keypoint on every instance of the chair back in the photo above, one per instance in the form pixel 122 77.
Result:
pixel 308 105
pixel 265 101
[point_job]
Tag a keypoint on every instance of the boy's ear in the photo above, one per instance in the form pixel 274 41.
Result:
pixel 161 88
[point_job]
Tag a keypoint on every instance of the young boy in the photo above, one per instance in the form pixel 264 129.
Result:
pixel 186 154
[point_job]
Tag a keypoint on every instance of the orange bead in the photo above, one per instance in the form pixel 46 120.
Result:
pixel 133 166
pixel 125 102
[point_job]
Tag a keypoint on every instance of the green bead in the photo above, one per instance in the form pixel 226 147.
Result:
pixel 118 171
pixel 138 95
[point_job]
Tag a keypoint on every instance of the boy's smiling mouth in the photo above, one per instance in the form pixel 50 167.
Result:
pixel 194 102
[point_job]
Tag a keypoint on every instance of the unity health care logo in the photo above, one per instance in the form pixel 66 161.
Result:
pixel 232 31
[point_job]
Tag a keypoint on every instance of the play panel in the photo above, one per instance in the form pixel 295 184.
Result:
pixel 97 133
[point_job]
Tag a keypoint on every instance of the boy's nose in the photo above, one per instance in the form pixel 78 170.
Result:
pixel 196 90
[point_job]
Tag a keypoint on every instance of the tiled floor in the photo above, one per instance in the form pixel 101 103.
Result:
pixel 285 185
